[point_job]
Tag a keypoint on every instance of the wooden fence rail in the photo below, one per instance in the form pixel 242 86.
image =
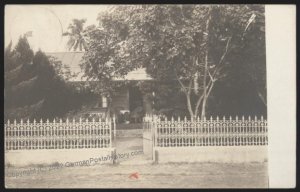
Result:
pixel 58 135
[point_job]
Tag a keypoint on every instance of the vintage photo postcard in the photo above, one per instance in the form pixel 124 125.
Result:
pixel 149 96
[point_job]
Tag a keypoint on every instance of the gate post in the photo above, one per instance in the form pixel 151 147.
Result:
pixel 108 122
pixel 154 136
pixel 115 132
pixel 114 123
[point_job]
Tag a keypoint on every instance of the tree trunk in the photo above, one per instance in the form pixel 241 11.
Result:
pixel 198 105
pixel 189 105
pixel 203 110
pixel 187 92
pixel 204 87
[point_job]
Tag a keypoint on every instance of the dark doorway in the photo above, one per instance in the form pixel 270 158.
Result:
pixel 135 104
pixel 135 98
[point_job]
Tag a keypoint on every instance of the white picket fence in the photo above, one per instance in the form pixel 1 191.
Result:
pixel 59 135
pixel 206 132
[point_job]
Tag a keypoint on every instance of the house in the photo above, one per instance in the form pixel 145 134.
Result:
pixel 128 98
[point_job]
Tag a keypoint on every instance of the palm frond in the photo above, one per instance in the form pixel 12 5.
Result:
pixel 66 34
pixel 76 45
pixel 76 32
pixel 71 43
pixel 80 45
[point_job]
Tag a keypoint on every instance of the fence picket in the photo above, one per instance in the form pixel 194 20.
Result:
pixel 214 132
pixel 57 134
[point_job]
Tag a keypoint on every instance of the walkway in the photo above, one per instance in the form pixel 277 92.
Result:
pixel 129 144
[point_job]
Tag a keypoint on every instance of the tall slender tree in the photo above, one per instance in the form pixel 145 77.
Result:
pixel 20 81
pixel 77 35
pixel 34 85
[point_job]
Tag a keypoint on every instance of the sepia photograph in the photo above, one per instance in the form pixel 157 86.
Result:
pixel 136 96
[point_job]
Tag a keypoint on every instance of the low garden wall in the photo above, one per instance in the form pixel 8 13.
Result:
pixel 64 156
pixel 219 154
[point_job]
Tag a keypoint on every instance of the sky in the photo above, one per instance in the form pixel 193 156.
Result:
pixel 47 23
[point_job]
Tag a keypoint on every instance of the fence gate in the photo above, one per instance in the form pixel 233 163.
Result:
pixel 148 137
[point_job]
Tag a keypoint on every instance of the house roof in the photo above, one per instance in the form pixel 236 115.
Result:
pixel 73 59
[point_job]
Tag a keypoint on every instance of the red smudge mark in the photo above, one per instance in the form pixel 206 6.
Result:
pixel 134 175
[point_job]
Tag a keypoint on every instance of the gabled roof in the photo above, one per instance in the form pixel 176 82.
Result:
pixel 73 59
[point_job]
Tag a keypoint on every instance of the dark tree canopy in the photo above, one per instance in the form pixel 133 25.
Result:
pixel 200 47
pixel 33 88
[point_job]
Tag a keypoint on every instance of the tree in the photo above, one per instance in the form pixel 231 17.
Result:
pixel 77 34
pixel 189 43
pixel 105 58
pixel 20 81
pixel 254 54
pixel 246 74
pixel 194 45
pixel 35 86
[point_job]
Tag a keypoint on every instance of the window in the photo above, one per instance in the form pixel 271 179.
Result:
pixel 104 102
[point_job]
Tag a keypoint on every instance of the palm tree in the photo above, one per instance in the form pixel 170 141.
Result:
pixel 76 35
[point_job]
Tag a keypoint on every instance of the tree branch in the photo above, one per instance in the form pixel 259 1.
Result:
pixel 218 67
pixel 198 104
pixel 223 56
pixel 211 77
pixel 180 82
pixel 190 87
pixel 210 88
pixel 262 98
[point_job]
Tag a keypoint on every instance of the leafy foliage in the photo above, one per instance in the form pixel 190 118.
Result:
pixel 104 59
pixel 62 70
pixel 33 88
pixel 195 45
pixel 19 80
